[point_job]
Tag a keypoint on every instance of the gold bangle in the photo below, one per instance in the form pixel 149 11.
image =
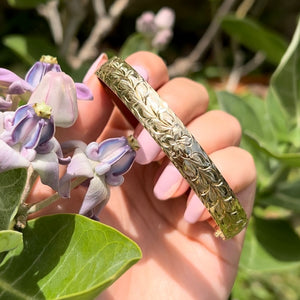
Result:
pixel 178 144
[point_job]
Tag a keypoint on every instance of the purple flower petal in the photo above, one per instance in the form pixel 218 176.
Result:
pixel 79 166
pixel 7 78
pixel 97 193
pixel 5 104
pixel 10 158
pixel 38 71
pixel 114 180
pixel 47 167
pixel 114 176
pixel 19 87
pixel 109 151
pixel 102 168
pixel 123 164
pixel 83 92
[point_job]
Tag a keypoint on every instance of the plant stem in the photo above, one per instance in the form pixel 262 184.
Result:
pixel 35 207
pixel 32 175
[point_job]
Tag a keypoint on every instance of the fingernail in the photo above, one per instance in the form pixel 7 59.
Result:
pixel 149 149
pixel 194 210
pixel 142 71
pixel 93 68
pixel 168 183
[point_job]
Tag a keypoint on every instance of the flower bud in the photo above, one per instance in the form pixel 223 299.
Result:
pixel 58 90
pixel 165 18
pixel 162 38
pixel 145 23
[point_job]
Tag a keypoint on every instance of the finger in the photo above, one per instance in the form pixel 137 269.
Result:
pixel 187 99
pixel 213 130
pixel 238 168
pixel 92 115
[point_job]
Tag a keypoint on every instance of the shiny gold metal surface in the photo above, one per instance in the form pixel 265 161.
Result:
pixel 178 144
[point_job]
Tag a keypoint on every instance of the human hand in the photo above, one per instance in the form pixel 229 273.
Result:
pixel 180 260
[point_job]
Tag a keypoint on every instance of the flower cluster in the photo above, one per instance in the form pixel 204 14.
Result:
pixel 157 27
pixel 31 109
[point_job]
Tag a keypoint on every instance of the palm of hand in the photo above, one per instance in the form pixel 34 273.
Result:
pixel 180 261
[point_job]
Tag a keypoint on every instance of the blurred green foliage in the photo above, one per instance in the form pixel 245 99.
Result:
pixel 270 262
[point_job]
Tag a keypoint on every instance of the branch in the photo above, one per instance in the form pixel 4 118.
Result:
pixel 76 11
pixel 50 12
pixel 102 27
pixel 182 66
pixel 239 70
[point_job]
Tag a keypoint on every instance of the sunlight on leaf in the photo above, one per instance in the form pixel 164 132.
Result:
pixel 29 48
pixel 256 37
pixel 270 245
pixel 66 256
pixel 9 240
pixel 284 94
pixel 11 187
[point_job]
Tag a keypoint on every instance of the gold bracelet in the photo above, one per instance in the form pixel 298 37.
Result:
pixel 178 144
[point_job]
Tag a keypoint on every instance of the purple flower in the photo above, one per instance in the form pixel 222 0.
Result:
pixel 103 163
pixel 157 27
pixel 27 138
pixel 12 84
pixel 165 18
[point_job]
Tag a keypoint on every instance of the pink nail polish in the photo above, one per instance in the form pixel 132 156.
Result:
pixel 168 183
pixel 142 71
pixel 194 210
pixel 149 149
pixel 93 68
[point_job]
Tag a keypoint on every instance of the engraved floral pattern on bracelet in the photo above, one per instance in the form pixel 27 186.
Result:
pixel 178 144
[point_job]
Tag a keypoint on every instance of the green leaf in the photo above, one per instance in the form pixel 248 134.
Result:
pixel 286 195
pixel 65 256
pixel 270 245
pixel 135 42
pixel 284 91
pixel 9 240
pixel 26 3
pixel 11 187
pixel 290 159
pixel 29 48
pixel 251 113
pixel 242 110
pixel 256 37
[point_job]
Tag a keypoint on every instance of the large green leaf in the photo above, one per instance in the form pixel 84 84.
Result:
pixel 11 187
pixel 29 48
pixel 65 257
pixel 251 113
pixel 256 37
pixel 9 240
pixel 284 94
pixel 270 245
